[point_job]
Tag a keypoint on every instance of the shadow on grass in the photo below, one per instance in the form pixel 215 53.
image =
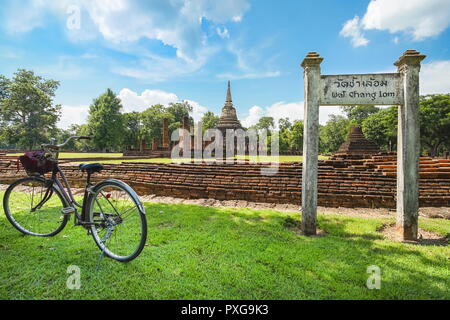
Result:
pixel 198 252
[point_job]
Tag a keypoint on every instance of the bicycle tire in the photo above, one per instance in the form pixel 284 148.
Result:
pixel 134 198
pixel 10 216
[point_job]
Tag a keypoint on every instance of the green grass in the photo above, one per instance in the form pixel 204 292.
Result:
pixel 79 155
pixel 63 155
pixel 168 160
pixel 196 252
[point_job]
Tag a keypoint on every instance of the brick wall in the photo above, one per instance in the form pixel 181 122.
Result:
pixel 342 183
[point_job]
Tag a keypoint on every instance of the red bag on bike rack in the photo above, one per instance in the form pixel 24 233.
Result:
pixel 36 162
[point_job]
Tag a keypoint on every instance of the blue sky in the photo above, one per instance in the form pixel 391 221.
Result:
pixel 165 51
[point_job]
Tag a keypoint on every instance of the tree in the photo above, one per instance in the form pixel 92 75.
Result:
pixel 63 134
pixel 265 123
pixel 152 121
pixel 284 123
pixel 296 136
pixel 284 135
pixel 333 134
pixel 28 115
pixel 132 128
pixel 434 110
pixel 105 123
pixel 209 121
pixel 179 110
pixel 176 113
pixel 357 114
pixel 381 128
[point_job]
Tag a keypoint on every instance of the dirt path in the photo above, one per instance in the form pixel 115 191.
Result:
pixel 430 212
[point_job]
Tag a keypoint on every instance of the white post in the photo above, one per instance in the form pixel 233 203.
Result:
pixel 311 65
pixel 408 147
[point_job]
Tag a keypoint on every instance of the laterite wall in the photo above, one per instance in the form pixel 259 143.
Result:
pixel 342 183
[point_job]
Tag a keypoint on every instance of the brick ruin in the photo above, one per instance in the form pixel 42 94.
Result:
pixel 156 150
pixel 356 146
pixel 369 182
pixel 358 175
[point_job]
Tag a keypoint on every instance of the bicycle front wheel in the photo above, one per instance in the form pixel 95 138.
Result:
pixel 33 208
pixel 119 224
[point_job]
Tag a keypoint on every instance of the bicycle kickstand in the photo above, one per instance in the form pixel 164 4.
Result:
pixel 102 254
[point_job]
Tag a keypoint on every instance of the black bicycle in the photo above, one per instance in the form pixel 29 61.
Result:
pixel 110 210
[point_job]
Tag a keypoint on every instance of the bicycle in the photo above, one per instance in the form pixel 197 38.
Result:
pixel 111 210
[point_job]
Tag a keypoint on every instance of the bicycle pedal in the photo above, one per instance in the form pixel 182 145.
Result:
pixel 68 210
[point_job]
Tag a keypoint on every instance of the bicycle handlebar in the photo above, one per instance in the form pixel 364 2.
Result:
pixel 58 146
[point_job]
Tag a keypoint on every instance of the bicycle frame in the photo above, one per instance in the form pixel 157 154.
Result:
pixel 69 197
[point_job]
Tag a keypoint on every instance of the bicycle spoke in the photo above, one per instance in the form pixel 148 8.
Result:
pixel 119 213
pixel 21 202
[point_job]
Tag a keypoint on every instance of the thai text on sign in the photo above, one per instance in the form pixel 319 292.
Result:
pixel 360 89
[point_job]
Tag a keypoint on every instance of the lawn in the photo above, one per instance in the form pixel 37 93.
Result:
pixel 80 155
pixel 63 155
pixel 196 252
pixel 262 159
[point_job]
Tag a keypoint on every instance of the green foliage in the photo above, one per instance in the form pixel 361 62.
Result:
pixel 179 110
pixel 284 134
pixel 152 119
pixel 296 136
pixel 105 123
pixel 62 135
pixel 333 134
pixel 265 123
pixel 132 129
pixel 209 121
pixel 28 115
pixel 357 114
pixel 381 128
pixel 435 123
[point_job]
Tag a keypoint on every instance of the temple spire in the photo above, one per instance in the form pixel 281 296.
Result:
pixel 228 119
pixel 228 101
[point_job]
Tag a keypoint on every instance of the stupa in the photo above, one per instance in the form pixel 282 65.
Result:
pixel 356 145
pixel 228 119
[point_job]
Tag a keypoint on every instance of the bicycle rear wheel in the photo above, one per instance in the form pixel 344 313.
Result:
pixel 120 225
pixel 33 208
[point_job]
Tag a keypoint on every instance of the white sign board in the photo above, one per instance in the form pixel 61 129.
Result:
pixel 361 89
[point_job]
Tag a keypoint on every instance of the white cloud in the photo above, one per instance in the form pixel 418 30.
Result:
pixel 64 67
pixel 434 77
pixel 132 101
pixel 223 33
pixel 291 110
pixel 352 29
pixel 251 63
pixel 154 68
pixel 197 110
pixel 237 18
pixel 73 115
pixel 123 22
pixel 24 20
pixel 254 113
pixel 418 18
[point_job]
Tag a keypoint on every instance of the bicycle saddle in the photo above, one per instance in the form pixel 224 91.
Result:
pixel 91 167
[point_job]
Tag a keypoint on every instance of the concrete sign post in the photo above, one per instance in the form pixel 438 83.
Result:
pixel 401 88
pixel 408 146
pixel 311 65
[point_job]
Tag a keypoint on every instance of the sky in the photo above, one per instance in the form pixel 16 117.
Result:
pixel 163 51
